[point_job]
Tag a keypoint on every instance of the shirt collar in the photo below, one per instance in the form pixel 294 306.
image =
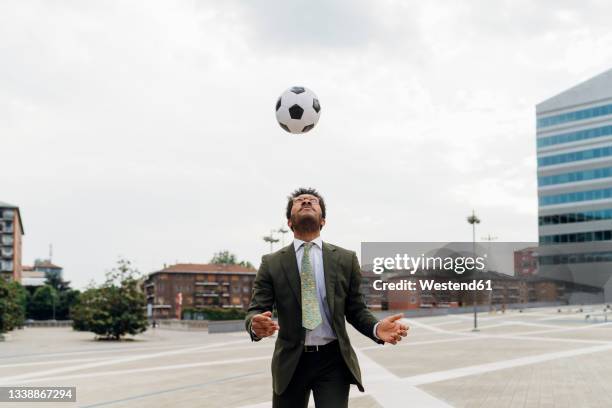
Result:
pixel 297 243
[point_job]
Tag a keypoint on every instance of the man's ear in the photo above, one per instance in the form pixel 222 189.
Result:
pixel 322 223
pixel 289 224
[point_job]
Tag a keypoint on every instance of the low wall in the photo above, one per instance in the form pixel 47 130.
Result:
pixel 213 326
pixel 442 311
pixel 226 326
pixel 48 323
pixel 174 324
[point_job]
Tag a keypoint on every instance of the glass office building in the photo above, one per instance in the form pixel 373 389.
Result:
pixel 574 153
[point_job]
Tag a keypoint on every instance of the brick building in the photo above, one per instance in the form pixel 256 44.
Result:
pixel 199 285
pixel 506 289
pixel 11 231
pixel 542 289
pixel 526 262
pixel 403 299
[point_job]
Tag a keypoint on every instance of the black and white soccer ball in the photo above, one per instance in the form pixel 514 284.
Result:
pixel 298 110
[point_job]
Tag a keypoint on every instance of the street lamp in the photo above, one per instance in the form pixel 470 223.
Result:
pixel 473 220
pixel 270 238
pixel 490 239
pixel 282 231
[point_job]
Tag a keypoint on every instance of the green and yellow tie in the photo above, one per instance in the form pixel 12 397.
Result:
pixel 311 316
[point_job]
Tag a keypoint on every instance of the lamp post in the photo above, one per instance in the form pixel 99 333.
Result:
pixel 490 239
pixel 282 231
pixel 270 238
pixel 53 301
pixel 473 220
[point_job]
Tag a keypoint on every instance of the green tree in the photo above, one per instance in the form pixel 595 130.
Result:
pixel 66 296
pixel 43 302
pixel 225 257
pixel 246 264
pixel 56 293
pixel 67 299
pixel 82 312
pixel 12 305
pixel 115 308
pixel 56 282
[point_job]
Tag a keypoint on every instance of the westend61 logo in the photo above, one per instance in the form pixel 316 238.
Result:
pixel 405 262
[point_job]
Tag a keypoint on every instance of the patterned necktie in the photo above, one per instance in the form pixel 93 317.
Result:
pixel 311 316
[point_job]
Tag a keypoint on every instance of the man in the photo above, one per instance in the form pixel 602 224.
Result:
pixel 313 285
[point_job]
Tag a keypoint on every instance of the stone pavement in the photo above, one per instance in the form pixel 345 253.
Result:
pixel 538 358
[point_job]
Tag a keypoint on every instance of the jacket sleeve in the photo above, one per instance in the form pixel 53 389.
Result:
pixel 262 298
pixel 356 311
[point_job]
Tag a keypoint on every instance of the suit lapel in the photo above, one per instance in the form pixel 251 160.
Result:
pixel 291 272
pixel 329 268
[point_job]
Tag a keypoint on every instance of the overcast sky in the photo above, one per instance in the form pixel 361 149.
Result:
pixel 146 129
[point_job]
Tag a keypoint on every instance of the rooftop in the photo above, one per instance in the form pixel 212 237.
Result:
pixel 597 88
pixel 45 263
pixel 206 268
pixel 7 205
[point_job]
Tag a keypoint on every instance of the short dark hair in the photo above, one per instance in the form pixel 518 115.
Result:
pixel 301 191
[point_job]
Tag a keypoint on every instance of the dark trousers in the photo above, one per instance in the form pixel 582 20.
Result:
pixel 322 372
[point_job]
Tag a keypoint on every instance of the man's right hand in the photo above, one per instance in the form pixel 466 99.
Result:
pixel 263 325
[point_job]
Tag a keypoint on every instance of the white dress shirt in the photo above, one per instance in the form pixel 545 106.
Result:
pixel 323 333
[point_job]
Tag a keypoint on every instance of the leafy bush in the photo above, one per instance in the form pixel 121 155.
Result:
pixel 53 300
pixel 114 309
pixel 42 303
pixel 13 299
pixel 213 313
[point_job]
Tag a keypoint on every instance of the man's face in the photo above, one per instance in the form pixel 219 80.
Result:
pixel 306 214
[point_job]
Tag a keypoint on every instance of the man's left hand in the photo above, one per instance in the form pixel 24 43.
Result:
pixel 391 330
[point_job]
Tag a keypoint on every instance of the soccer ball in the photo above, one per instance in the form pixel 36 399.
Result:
pixel 298 110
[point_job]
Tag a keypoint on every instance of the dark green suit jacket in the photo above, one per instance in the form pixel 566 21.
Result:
pixel 278 284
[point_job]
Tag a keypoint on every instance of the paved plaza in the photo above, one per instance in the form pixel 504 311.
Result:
pixel 537 358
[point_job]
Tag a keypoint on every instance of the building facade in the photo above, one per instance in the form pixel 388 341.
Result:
pixel 195 286
pixel 11 231
pixel 526 262
pixel 48 268
pixel 574 154
pixel 30 277
pixel 506 290
pixel 37 275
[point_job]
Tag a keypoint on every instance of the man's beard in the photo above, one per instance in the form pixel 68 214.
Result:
pixel 305 223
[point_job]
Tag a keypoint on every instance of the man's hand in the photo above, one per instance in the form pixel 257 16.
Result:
pixel 263 325
pixel 390 330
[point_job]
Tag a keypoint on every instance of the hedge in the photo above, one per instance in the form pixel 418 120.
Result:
pixel 213 313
